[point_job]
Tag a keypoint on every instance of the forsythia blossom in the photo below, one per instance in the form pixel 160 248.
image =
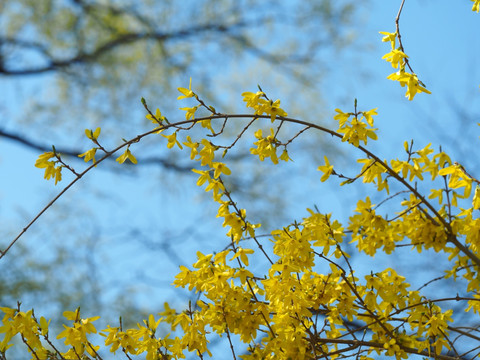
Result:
pixel 126 155
pixel 187 93
pixel 476 5
pixel 398 59
pixel 356 130
pixel 157 118
pixel 411 80
pixel 93 135
pixel 51 170
pixel 89 155
pixel 327 170
pixel 389 37
pixel 263 106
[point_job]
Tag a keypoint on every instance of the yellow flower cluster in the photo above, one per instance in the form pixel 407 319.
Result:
pixel 476 5
pixel 266 147
pixel 52 170
pixel 263 105
pixel 398 59
pixel 307 302
pixel 355 130
pixel 90 154
pixel 18 322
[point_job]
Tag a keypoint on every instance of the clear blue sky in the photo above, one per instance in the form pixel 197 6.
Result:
pixel 441 38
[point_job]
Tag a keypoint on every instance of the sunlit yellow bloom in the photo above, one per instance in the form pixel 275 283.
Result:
pixel 187 93
pixel 193 146
pixel 412 82
pixel 207 123
pixel 285 156
pixel 126 155
pixel 204 176
pixel 251 98
pixel 72 315
pixel 476 5
pixel 395 57
pixel 327 170
pixel 476 198
pixel 217 189
pixel 44 325
pixel 202 260
pixel 266 147
pixel 51 171
pixel 356 131
pixel 458 179
pixel 436 193
pixel 172 140
pixel 341 117
pixel 220 168
pixel 391 37
pixel 157 118
pixel 271 108
pixel 93 135
pixel 170 313
pixel 207 153
pixel 242 254
pixel 89 155
pixel 190 112
pixel 369 115
pixel 43 159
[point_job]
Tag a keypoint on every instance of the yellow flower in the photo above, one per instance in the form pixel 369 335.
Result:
pixel 157 118
pixel 341 117
pixel 187 93
pixel 72 315
pixel 193 146
pixel 216 187
pixel 190 112
pixel 395 57
pixel 42 160
pixel 271 108
pixel 476 198
pixel 252 99
pixel 126 155
pixel 207 153
pixel 172 140
pixel 285 156
pixel 369 115
pixel 266 147
pixel 202 260
pixel 89 155
pixel 438 193
pixel 220 168
pixel 389 37
pixel 476 5
pixel 50 170
pixel 242 254
pixel 44 325
pixel 411 80
pixel 93 135
pixel 204 176
pixel 327 170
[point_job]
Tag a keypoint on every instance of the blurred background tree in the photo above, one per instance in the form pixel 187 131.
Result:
pixel 70 65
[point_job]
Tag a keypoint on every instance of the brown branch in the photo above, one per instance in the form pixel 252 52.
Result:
pixel 397 27
pixel 356 343
pixel 149 160
pixel 448 229
pixel 123 39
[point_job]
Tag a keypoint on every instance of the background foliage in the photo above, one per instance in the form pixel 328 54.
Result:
pixel 80 85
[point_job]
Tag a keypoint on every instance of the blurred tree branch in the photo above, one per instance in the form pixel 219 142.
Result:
pixel 150 160
pixel 81 57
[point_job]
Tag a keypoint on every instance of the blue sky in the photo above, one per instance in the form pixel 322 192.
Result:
pixel 441 38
